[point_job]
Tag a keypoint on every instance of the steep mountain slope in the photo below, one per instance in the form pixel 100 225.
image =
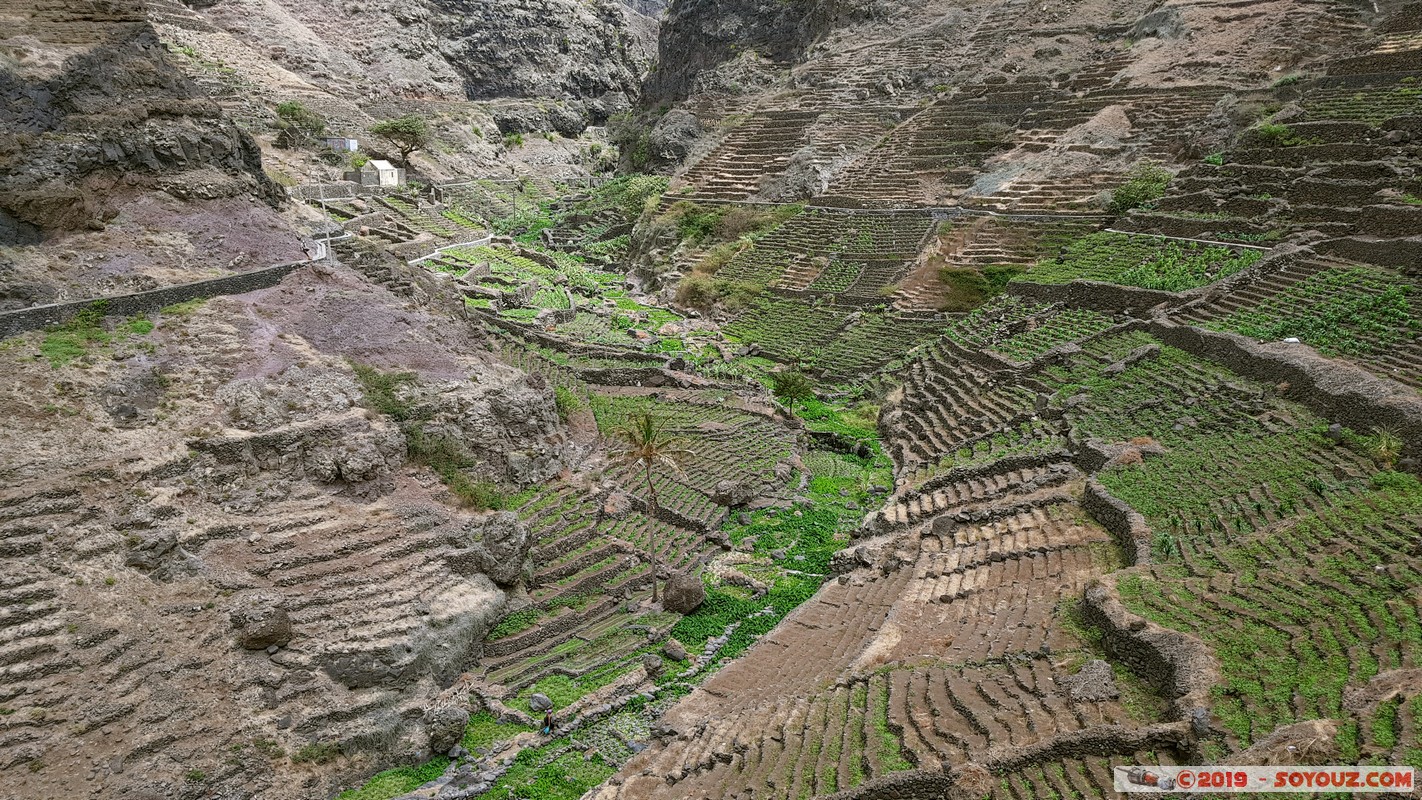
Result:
pixel 224 577
pixel 449 49
pixel 103 140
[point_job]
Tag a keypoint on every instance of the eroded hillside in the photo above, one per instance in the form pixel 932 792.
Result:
pixel 1039 386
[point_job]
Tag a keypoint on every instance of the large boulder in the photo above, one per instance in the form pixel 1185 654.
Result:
pixel 509 431
pixel 260 621
pixel 495 544
pixel 732 493
pixel 674 650
pixel 446 727
pixel 672 138
pixel 684 593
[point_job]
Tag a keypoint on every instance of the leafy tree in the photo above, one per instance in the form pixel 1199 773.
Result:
pixel 406 134
pixel 792 386
pixel 645 443
pixel 297 125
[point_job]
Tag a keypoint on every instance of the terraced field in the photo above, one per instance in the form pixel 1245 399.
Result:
pixel 1143 261
pixel 1358 312
pixel 1073 526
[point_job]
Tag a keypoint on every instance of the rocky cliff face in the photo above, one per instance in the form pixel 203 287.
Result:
pixel 585 52
pixel 700 35
pixel 90 102
pixel 117 174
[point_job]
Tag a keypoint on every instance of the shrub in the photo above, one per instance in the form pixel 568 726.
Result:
pixel 1216 159
pixel 1145 184
pixel 694 223
pixel 1386 447
pixel 697 290
pixel 379 389
pixel 567 401
pixel 476 495
pixel 297 125
pixel 969 287
pixel 316 753
pixel 741 221
pixel 1271 134
pixel 719 256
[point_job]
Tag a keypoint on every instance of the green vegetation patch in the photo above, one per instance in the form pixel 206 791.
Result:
pixel 395 782
pixel 1353 312
pixel 87 330
pixel 970 287
pixel 535 775
pixel 1148 262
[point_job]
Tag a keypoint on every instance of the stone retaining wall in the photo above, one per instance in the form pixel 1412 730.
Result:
pixel 1333 389
pixel 975 779
pixel 127 305
pixel 1096 296
pixel 1125 524
pixel 1177 664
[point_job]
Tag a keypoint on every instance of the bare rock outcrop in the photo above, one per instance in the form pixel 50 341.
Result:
pixel 260 621
pixel 246 553
pixel 684 593
pixel 494 544
pixel 62 131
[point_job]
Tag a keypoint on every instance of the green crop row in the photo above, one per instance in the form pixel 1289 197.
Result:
pixel 1148 262
pixel 1311 606
pixel 1355 312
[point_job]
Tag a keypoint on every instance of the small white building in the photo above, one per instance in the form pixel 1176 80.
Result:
pixel 377 172
pixel 341 144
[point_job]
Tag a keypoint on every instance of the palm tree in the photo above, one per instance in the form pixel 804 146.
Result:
pixel 645 443
pixel 792 386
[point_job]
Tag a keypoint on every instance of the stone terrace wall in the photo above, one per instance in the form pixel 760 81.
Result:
pixel 1096 296
pixel 1331 388
pixel 37 317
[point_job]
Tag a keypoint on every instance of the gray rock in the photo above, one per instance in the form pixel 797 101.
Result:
pixel 495 544
pixel 1095 682
pixel 445 727
pixel 653 664
pixel 672 138
pixel 674 650
pixel 539 703
pixel 260 621
pixel 734 493
pixel 683 593
pixel 1165 23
